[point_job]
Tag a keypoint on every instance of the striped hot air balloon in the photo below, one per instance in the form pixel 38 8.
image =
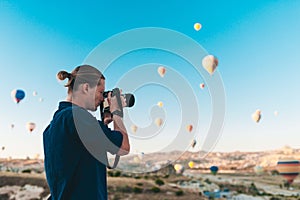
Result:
pixel 289 169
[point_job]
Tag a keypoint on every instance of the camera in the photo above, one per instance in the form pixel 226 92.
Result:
pixel 129 97
pixel 104 106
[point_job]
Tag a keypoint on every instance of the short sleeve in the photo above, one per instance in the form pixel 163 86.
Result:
pixel 115 137
pixel 95 136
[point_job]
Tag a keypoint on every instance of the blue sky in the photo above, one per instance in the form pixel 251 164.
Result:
pixel 257 44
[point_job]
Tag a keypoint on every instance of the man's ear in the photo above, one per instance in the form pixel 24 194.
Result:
pixel 85 87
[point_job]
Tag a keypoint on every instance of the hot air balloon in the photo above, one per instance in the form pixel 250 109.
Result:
pixel 160 104
pixel 214 170
pixel 202 85
pixel 276 113
pixel 258 170
pixel 158 122
pixel 17 95
pixel 189 128
pixel 12 126
pixel 289 169
pixel 133 128
pixel 197 26
pixel 41 99
pixel 34 93
pixel 141 155
pixel 161 71
pixel 256 116
pixel 191 164
pixel 193 143
pixel 136 159
pixel 30 126
pixel 3 148
pixel 178 168
pixel 37 156
pixel 210 63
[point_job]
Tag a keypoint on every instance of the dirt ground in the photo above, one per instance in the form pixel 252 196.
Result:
pixel 119 188
pixel 155 187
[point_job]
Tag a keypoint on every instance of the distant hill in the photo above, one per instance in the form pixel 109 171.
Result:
pixel 226 161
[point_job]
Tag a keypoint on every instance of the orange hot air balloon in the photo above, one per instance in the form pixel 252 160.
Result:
pixel 210 63
pixel 197 26
pixel 256 116
pixel 133 128
pixel 202 85
pixel 189 128
pixel 161 71
pixel 158 122
pixel 160 104
pixel 289 169
pixel 30 126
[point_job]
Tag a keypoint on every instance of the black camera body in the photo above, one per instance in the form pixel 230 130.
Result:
pixel 104 107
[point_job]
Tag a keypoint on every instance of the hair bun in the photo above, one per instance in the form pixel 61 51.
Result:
pixel 62 75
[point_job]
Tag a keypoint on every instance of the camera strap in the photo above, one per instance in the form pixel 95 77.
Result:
pixel 117 158
pixel 116 92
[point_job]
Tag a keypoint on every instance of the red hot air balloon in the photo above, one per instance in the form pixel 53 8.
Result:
pixel 161 71
pixel 289 169
pixel 202 85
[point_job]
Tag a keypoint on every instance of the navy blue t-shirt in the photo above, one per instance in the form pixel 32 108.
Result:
pixel 75 150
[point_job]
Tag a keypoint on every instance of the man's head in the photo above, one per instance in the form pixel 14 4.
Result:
pixel 86 85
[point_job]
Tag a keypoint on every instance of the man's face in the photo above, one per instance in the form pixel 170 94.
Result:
pixel 97 93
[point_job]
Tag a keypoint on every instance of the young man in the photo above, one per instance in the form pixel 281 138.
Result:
pixel 76 143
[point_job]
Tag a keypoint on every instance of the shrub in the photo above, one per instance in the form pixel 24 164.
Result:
pixel 26 171
pixel 137 190
pixel 207 181
pixel 159 182
pixel 125 189
pixel 179 193
pixel 110 173
pixel 117 174
pixel 140 184
pixel 155 189
pixel 146 177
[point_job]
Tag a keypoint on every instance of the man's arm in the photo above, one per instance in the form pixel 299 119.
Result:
pixel 119 126
pixel 118 123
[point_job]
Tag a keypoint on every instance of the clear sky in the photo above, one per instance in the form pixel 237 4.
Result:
pixel 256 42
